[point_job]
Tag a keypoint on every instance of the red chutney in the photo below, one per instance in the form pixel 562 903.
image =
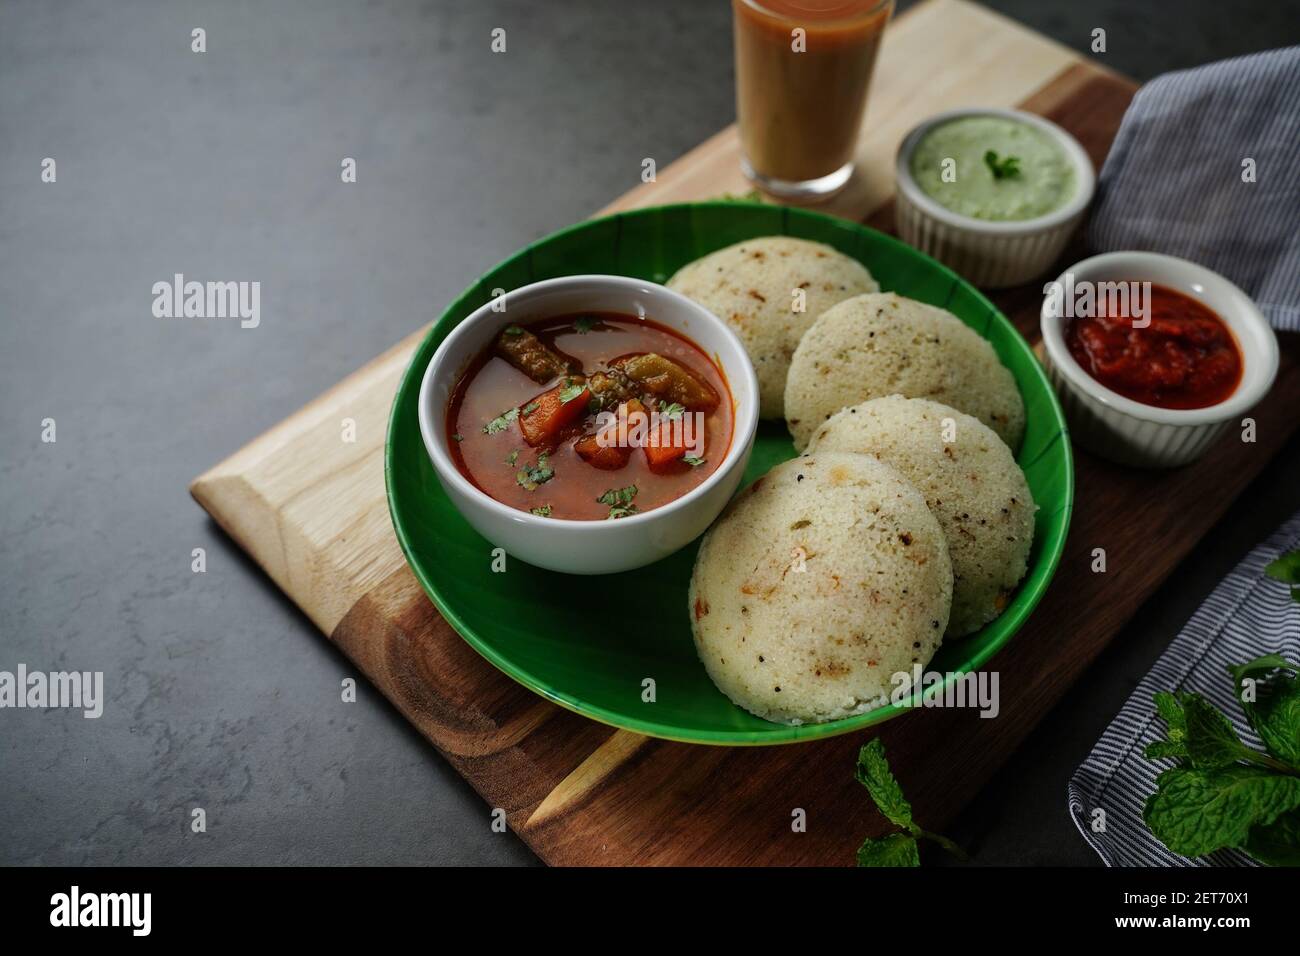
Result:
pixel 524 417
pixel 1186 357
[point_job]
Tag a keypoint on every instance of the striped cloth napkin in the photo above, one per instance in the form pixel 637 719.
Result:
pixel 1248 615
pixel 1173 181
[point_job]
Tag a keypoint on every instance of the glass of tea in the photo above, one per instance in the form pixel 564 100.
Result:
pixel 802 72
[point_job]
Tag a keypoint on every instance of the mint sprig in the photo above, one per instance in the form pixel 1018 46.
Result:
pixel 1223 793
pixel 900 848
pixel 1005 168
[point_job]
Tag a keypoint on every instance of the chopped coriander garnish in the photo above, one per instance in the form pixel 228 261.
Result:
pixel 1002 168
pixel 530 476
pixel 501 422
pixel 619 501
pixel 543 512
pixel 672 411
pixel 512 457
pixel 693 461
pixel 458 437
pixel 570 392
pixel 529 408
pixel 618 496
pixel 584 324
pixel 514 330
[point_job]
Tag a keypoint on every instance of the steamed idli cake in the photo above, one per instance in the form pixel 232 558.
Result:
pixel 875 345
pixel 751 286
pixel 824 579
pixel 971 484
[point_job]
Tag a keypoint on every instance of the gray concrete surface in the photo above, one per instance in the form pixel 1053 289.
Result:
pixel 225 165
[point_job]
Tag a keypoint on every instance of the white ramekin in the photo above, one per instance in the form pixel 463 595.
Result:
pixel 591 547
pixel 1129 432
pixel 994 255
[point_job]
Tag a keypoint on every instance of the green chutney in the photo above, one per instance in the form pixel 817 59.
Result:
pixel 1043 180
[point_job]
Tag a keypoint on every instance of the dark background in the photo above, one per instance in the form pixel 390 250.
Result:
pixel 226 165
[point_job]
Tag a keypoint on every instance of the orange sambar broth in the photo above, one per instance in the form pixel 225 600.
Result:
pixel 491 386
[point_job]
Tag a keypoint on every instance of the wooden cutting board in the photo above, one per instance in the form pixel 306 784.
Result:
pixel 311 510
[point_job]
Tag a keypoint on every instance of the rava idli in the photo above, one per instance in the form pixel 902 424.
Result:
pixel 882 344
pixel 970 482
pixel 822 581
pixel 759 286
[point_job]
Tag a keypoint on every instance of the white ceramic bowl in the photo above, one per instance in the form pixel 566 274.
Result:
pixel 994 255
pixel 591 547
pixel 1129 432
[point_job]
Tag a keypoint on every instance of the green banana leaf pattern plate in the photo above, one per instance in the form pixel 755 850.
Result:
pixel 589 643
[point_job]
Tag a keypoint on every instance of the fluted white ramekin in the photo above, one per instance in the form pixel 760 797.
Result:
pixel 1129 432
pixel 994 255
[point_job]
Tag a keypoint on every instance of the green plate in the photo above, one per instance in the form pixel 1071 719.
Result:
pixel 553 633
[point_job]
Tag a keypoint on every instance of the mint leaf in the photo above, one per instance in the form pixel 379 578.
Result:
pixel 897 849
pixel 1170 708
pixel 1276 717
pixel 1002 168
pixel 1263 665
pixel 873 773
pixel 1276 843
pixel 1285 568
pixel 1166 750
pixel 1274 712
pixel 1194 812
pixel 672 411
pixel 1211 741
